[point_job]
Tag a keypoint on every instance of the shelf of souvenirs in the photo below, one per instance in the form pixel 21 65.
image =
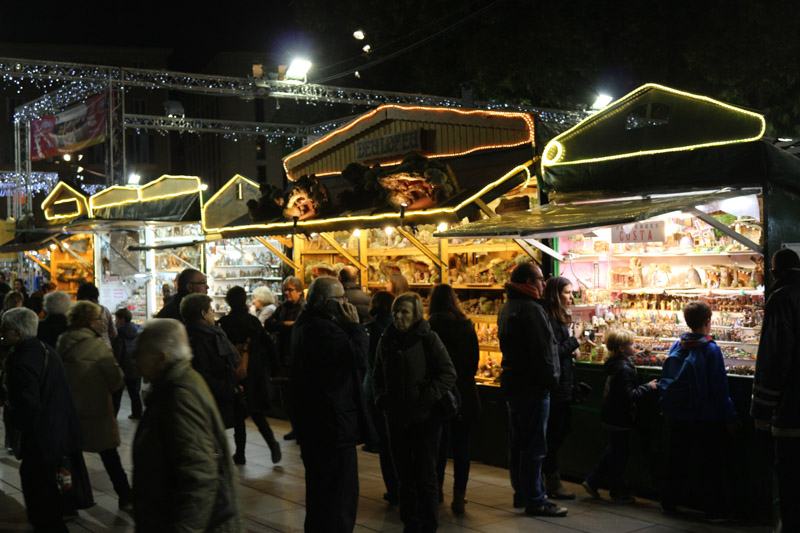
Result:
pixel 231 278
pixel 218 290
pixel 576 255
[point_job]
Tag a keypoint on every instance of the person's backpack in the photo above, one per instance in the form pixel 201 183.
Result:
pixel 683 383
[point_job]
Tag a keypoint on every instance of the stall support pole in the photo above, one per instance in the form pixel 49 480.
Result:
pixel 150 268
pixel 711 221
pixel 336 246
pixel 362 257
pixel 268 245
pixel 424 249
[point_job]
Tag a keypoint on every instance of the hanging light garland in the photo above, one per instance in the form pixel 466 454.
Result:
pixel 39 182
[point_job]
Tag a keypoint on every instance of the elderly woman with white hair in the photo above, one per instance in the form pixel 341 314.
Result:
pixel 263 303
pixel 39 405
pixel 182 470
pixel 56 305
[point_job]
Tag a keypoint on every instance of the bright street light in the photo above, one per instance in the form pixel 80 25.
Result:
pixel 359 35
pixel 298 69
pixel 602 101
pixel 134 179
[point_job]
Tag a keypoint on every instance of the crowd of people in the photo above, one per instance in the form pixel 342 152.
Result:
pixel 354 369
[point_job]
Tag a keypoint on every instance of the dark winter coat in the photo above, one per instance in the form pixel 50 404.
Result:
pixel 622 391
pixel 215 358
pixel 93 375
pixel 50 327
pixel 39 402
pixel 241 327
pixel 327 369
pixel 286 312
pixel 359 299
pixel 776 394
pixel 412 371
pixel 172 309
pixel 124 346
pixel 530 354
pixel 181 457
pixel 566 346
pixel 375 329
pixel 461 341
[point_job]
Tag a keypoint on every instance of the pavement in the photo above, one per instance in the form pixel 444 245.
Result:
pixel 273 498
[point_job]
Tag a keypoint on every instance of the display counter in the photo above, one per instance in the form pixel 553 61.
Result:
pixel 750 473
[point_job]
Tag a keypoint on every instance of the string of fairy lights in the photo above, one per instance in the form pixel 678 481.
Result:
pixel 40 182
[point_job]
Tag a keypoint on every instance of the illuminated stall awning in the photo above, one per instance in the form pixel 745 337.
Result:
pixel 169 198
pixel 64 204
pixel 560 220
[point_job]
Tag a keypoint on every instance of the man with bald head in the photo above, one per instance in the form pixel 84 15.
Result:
pixel 349 278
pixel 329 351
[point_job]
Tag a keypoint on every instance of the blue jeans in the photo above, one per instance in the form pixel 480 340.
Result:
pixel 527 429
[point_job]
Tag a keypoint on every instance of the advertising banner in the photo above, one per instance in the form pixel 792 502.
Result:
pixel 75 129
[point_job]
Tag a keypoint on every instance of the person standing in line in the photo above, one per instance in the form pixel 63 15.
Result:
pixel 703 435
pixel 618 412
pixel 530 371
pixel 557 301
pixel 348 276
pixel 263 303
pixel 39 404
pixel 329 349
pixel 124 345
pixel 412 372
pixel 56 305
pixel 397 284
pixel 213 355
pixel 104 325
pixel 776 395
pixel 183 476
pixel 189 281
pixel 280 325
pixel 380 310
pixel 93 376
pixel 457 332
pixel 248 336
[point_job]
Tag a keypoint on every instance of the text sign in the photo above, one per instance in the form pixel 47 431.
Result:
pixel 639 232
pixel 396 143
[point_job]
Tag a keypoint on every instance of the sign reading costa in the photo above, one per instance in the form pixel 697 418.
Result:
pixel 639 232
pixel 396 143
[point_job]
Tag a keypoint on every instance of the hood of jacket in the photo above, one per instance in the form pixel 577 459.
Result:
pixel 690 341
pixel 128 331
pixel 210 334
pixel 71 337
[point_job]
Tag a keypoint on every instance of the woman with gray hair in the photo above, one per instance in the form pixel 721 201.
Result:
pixel 56 305
pixel 263 303
pixel 93 376
pixel 39 405
pixel 182 470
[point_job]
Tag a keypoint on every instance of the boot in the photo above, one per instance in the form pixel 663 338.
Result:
pixel 275 450
pixel 555 490
pixel 459 499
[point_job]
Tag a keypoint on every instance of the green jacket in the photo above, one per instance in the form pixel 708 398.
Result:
pixel 180 454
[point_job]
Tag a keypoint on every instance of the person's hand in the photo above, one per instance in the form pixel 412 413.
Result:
pixel 762 425
pixel 653 384
pixel 577 330
pixel 348 312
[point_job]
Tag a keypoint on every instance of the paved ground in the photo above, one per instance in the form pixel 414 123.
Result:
pixel 273 498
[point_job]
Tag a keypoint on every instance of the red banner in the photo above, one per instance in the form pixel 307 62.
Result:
pixel 74 129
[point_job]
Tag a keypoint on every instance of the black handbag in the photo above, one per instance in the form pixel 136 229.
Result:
pixel 448 406
pixel 73 482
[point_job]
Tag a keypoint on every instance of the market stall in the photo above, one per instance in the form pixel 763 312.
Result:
pixel 660 198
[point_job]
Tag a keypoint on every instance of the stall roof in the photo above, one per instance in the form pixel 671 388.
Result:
pixel 27 242
pixel 558 220
pixel 169 198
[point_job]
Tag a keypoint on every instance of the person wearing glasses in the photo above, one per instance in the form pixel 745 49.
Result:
pixel 530 371
pixel 279 324
pixel 190 281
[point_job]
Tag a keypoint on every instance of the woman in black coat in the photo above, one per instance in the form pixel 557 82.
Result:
pixel 458 335
pixel 412 372
pixel 213 355
pixel 245 330
pixel 557 302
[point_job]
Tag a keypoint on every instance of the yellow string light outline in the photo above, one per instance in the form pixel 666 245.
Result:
pixel 81 200
pixel 216 195
pixel 141 192
pixel 525 167
pixel 556 144
pixel 93 200
pixel 524 116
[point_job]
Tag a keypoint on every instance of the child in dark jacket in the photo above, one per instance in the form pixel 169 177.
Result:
pixel 618 412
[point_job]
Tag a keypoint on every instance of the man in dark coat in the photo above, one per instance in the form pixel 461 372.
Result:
pixel 190 281
pixel 279 324
pixel 349 278
pixel 330 350
pixel 123 346
pixel 39 405
pixel 530 371
pixel 776 395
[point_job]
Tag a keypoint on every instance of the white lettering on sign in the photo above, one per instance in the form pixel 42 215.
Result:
pixel 639 232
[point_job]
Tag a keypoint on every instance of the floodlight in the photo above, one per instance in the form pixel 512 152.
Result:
pixel 134 179
pixel 602 101
pixel 358 35
pixel 298 69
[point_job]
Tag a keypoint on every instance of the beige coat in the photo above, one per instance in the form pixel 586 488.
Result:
pixel 93 374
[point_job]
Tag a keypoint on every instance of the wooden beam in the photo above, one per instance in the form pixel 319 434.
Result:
pixel 422 248
pixel 522 243
pixel 277 252
pixel 32 258
pixel 338 247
